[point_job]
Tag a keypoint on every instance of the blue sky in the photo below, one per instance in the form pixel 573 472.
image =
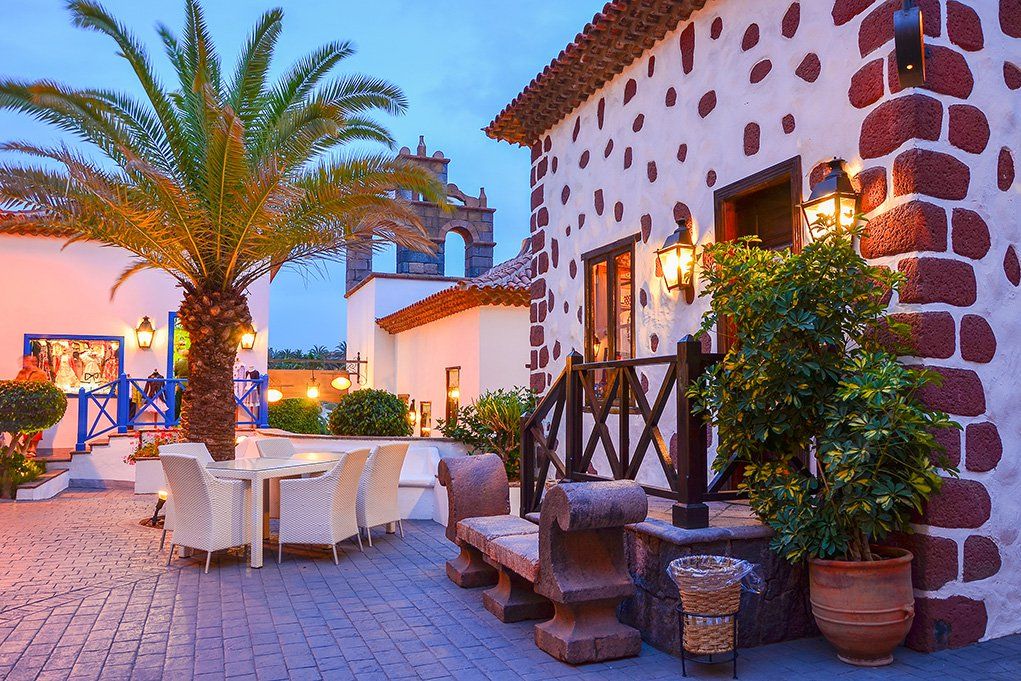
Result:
pixel 458 61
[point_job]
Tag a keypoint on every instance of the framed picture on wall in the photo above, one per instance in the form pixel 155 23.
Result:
pixel 74 362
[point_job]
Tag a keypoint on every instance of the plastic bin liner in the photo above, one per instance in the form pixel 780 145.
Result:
pixel 713 573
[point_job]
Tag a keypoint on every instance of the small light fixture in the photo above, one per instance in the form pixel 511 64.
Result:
pixel 833 205
pixel 274 395
pixel 909 44
pixel 341 383
pixel 144 333
pixel 248 335
pixel 161 498
pixel 312 390
pixel 677 258
pixel 454 393
pixel 412 414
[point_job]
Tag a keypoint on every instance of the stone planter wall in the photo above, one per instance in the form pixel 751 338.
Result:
pixel 781 613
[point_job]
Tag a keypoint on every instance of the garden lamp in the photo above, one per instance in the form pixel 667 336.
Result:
pixel 248 335
pixel 274 395
pixel 833 203
pixel 909 44
pixel 341 383
pixel 144 333
pixel 454 393
pixel 161 498
pixel 312 390
pixel 677 258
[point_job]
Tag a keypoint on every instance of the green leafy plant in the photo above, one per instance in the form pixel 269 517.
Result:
pixel 297 415
pixel 26 407
pixel 492 423
pixel 812 374
pixel 370 412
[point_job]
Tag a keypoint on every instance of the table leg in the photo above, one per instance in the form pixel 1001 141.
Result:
pixel 265 508
pixel 256 524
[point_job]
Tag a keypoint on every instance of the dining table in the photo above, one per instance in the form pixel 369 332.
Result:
pixel 257 472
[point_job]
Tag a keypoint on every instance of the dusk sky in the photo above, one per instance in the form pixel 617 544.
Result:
pixel 459 62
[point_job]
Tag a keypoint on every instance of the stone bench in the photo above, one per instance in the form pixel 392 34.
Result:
pixel 570 567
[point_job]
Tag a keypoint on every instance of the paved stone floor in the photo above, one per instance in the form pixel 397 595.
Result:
pixel 84 594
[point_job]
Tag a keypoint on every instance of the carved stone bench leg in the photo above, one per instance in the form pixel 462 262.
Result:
pixel 470 570
pixel 513 599
pixel 580 633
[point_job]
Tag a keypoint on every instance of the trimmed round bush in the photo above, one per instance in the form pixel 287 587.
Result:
pixel 369 412
pixel 30 406
pixel 297 415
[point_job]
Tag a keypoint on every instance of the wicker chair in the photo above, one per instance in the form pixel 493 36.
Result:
pixel 197 450
pixel 377 490
pixel 321 510
pixel 275 448
pixel 211 514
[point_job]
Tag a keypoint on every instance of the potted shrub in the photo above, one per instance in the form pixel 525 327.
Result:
pixel 297 415
pixel 812 382
pixel 146 458
pixel 369 412
pixel 492 423
pixel 26 407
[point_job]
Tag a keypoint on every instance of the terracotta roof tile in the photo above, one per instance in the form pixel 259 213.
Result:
pixel 508 283
pixel 606 46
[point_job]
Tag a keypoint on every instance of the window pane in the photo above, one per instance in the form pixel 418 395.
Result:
pixel 599 337
pixel 622 306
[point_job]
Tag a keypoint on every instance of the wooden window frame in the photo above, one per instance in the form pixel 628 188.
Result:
pixel 726 219
pixel 608 253
pixel 425 417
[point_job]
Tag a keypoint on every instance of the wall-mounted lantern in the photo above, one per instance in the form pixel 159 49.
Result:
pixel 454 393
pixel 909 43
pixel 412 414
pixel 274 395
pixel 833 205
pixel 312 389
pixel 677 258
pixel 248 335
pixel 341 383
pixel 144 333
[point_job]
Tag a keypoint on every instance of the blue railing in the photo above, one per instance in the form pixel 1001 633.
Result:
pixel 108 407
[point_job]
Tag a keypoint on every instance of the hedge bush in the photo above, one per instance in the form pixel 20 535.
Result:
pixel 26 407
pixel 369 412
pixel 297 415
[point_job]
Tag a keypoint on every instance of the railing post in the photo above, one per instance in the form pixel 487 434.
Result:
pixel 526 465
pixel 690 511
pixel 263 401
pixel 123 401
pixel 170 395
pixel 573 400
pixel 83 420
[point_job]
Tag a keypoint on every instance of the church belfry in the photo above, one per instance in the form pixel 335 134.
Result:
pixel 472 219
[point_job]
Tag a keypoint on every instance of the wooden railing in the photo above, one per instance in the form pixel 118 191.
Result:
pixel 554 444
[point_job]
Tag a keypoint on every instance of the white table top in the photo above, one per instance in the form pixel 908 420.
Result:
pixel 261 468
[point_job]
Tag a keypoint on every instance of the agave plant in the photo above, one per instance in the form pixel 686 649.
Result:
pixel 217 180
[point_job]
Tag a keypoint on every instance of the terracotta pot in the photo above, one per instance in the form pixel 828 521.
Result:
pixel 864 608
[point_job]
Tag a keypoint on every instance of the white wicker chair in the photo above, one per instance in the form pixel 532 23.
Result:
pixel 210 514
pixel 197 450
pixel 377 489
pixel 321 510
pixel 275 448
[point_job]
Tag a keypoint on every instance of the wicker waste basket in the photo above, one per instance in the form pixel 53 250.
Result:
pixel 710 589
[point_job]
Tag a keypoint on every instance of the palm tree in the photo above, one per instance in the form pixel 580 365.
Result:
pixel 217 181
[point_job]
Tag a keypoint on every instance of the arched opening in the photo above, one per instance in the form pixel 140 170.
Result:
pixel 385 259
pixel 455 254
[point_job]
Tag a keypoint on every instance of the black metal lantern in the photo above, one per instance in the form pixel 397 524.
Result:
pixel 909 42
pixel 144 333
pixel 248 335
pixel 833 204
pixel 677 258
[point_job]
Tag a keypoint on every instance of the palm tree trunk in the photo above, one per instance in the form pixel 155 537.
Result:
pixel 214 320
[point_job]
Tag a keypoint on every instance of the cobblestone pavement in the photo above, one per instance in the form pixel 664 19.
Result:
pixel 84 594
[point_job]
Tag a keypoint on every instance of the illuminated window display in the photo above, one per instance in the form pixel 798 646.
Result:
pixel 74 362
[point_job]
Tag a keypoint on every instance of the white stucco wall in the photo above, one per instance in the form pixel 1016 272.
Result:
pixel 47 290
pixel 373 299
pixel 488 343
pixel 826 125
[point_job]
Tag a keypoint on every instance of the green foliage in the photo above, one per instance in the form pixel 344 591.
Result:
pixel 26 407
pixel 493 424
pixel 808 375
pixel 299 359
pixel 30 406
pixel 370 412
pixel 297 415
